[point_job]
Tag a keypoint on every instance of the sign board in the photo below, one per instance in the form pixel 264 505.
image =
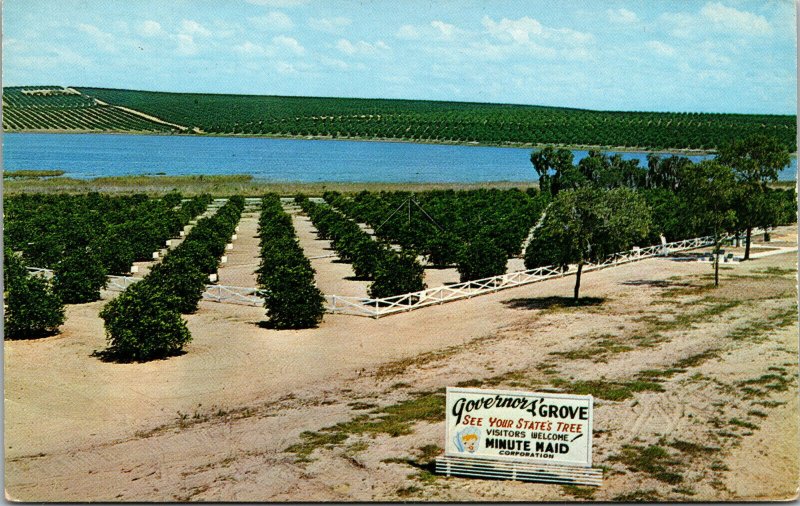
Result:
pixel 537 428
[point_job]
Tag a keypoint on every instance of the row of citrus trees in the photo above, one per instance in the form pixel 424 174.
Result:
pixel 145 322
pixel 476 230
pixel 82 238
pixel 447 121
pixel 113 231
pixel 285 276
pixel 392 272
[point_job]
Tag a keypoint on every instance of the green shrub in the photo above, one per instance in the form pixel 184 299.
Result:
pixel 291 298
pixel 79 276
pixel 143 324
pixel 13 268
pixel 117 254
pixel 179 276
pixel 172 199
pixel 442 249
pixel 396 275
pixel 541 253
pixel 481 258
pixel 33 310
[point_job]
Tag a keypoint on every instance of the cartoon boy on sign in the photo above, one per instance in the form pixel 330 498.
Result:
pixel 467 439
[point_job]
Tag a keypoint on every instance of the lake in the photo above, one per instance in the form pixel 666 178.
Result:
pixel 86 156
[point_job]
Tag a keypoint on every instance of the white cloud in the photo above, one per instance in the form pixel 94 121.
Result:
pixel 435 30
pixel 716 17
pixel 734 20
pixel 186 45
pixel 622 16
pixel 150 28
pixel 101 38
pixel 334 63
pixel 253 50
pixel 408 32
pixel 285 68
pixel 274 21
pixel 446 30
pixel 194 28
pixel 288 44
pixel 660 48
pixel 362 47
pixel 527 30
pixel 331 25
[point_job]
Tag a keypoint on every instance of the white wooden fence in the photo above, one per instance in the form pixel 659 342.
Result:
pixel 377 308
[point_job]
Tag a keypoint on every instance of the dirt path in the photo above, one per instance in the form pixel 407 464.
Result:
pixel 245 257
pixel 215 423
pixel 333 276
pixel 143 115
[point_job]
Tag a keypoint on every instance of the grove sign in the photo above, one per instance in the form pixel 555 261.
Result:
pixel 540 428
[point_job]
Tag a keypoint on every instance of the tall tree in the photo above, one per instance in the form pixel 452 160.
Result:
pixel 555 169
pixel 587 225
pixel 756 161
pixel 712 194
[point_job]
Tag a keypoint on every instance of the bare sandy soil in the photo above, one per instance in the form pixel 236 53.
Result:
pixel 709 378
pixel 243 260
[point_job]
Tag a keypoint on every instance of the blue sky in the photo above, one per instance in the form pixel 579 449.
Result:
pixel 712 56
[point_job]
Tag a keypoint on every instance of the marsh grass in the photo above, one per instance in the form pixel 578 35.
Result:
pixel 225 185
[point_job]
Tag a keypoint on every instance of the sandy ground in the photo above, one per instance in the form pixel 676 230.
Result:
pixel 243 260
pixel 216 422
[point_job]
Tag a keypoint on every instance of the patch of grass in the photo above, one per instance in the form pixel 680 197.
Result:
pixel 755 412
pixel 362 405
pixel 473 383
pixel 429 452
pixel 775 271
pixel 756 330
pixel 579 492
pixel 684 491
pixel 718 465
pixel 769 381
pixel 408 491
pixel 697 359
pixel 769 404
pixel 649 495
pixel 656 374
pixel 692 449
pixel 608 390
pixel 398 367
pixel 395 420
pixel 742 423
pixel 357 447
pixel 653 460
pixel 313 440
pixel 598 351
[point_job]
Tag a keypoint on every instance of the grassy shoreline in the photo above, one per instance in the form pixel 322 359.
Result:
pixel 516 145
pixel 225 185
pixel 242 184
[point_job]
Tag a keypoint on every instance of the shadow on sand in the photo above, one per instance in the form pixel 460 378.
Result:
pixel 553 302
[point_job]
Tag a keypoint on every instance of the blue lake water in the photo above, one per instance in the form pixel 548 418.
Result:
pixel 93 155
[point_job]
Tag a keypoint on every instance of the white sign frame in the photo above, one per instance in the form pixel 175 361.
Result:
pixel 449 424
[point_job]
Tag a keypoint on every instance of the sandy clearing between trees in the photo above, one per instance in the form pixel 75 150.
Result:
pixel 83 415
pixel 245 257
